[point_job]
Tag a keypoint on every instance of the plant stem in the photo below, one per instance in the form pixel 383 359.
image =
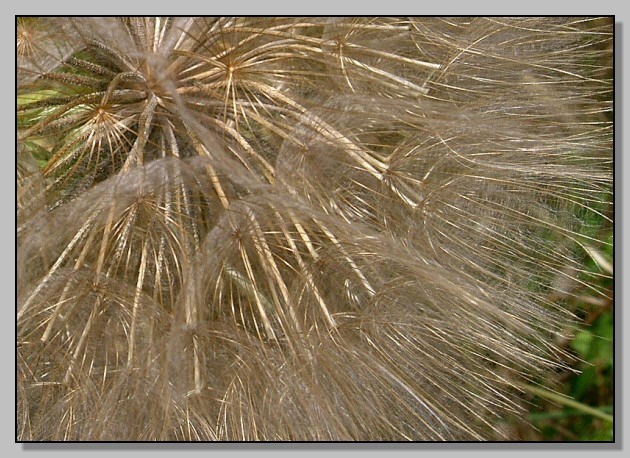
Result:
pixel 568 402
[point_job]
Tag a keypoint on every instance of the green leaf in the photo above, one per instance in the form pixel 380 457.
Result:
pixel 582 343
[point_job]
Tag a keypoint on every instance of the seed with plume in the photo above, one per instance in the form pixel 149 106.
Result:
pixel 301 228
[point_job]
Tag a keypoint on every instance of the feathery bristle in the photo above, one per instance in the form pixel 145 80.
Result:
pixel 301 228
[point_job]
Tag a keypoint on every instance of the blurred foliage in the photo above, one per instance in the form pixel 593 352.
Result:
pixel 562 410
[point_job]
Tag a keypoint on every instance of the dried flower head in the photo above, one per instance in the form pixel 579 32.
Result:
pixel 300 228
